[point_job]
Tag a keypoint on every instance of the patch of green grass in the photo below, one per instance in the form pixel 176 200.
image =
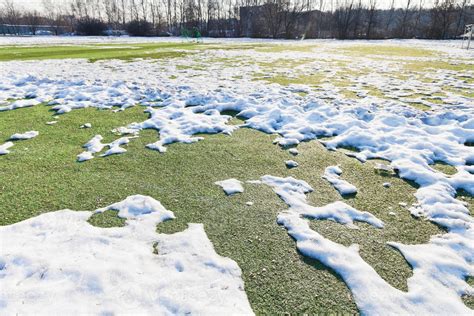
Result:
pixel 311 80
pixel 469 300
pixel 375 92
pixel 302 93
pixel 42 175
pixel 463 92
pixel 293 47
pixel 444 168
pixel 419 106
pixel 97 52
pixel 387 50
pixel 107 219
pixel 422 66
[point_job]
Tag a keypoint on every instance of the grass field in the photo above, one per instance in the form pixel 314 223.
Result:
pixel 41 174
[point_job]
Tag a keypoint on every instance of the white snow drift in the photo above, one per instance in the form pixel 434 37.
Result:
pixel 57 263
pixel 440 267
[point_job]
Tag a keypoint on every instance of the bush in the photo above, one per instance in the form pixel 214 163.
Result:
pixel 90 27
pixel 139 28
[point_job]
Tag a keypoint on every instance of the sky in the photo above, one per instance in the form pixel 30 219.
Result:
pixel 29 4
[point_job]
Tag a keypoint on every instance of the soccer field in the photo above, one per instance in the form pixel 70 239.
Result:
pixel 236 176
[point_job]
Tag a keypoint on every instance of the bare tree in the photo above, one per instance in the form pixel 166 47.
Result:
pixel 371 17
pixel 33 20
pixel 272 16
pixel 12 15
pixel 343 17
pixel 389 20
pixel 291 13
pixel 404 20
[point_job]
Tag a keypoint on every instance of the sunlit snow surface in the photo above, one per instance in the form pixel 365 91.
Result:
pixel 439 267
pixel 57 263
pixel 183 103
pixel 231 186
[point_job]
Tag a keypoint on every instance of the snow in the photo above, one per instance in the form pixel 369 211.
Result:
pixel 440 267
pixel 4 148
pixel 231 186
pixel 294 151
pixel 51 122
pixel 410 141
pixel 24 136
pixel 18 104
pixel 177 124
pixel 57 263
pixel 95 145
pixel 293 191
pixel 87 125
pixel 332 175
pixel 291 164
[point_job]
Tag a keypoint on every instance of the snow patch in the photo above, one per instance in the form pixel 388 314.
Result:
pixel 91 270
pixel 4 148
pixel 230 186
pixel 332 175
pixel 293 151
pixel 95 145
pixel 24 136
pixel 291 164
pixel 440 268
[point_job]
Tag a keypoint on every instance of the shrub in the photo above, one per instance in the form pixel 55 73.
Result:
pixel 139 28
pixel 91 26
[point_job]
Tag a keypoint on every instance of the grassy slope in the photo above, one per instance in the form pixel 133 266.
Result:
pixel 41 175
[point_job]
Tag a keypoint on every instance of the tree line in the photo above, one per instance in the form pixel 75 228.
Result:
pixel 343 19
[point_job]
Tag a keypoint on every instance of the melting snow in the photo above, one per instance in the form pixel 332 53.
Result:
pixel 95 145
pixel 332 174
pixel 440 267
pixel 24 136
pixel 291 164
pixel 4 148
pixel 57 263
pixel 231 186
pixel 294 151
pixel 410 139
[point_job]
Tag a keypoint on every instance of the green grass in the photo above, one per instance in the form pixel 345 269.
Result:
pixel 421 66
pixel 41 175
pixel 310 80
pixel 387 50
pixel 296 47
pixel 95 52
pixel 100 52
pixel 107 219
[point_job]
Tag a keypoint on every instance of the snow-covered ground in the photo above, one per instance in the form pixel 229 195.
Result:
pixel 440 267
pixel 57 263
pixel 183 99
